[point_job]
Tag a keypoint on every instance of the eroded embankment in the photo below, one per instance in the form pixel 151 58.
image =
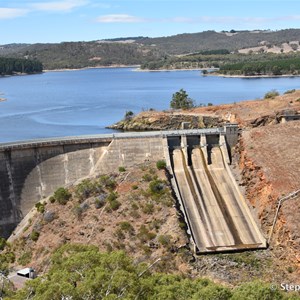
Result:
pixel 269 161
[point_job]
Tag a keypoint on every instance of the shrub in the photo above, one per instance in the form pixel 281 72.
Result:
pixel 122 169
pixel 256 290
pixel 52 199
pixel 108 182
pixel 87 188
pixel 2 243
pixel 114 205
pixel 147 177
pixel 34 235
pixel 62 195
pixel 135 187
pixel 100 201
pixel 126 226
pixel 164 240
pixel 78 211
pixel 209 104
pixel 40 207
pixel 128 115
pixel 145 235
pixel 290 91
pixel 271 94
pixel 157 186
pixel 112 196
pixel 25 258
pixel 161 164
pixel 148 208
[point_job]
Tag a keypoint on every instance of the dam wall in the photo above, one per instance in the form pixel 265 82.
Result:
pixel 31 174
pixel 32 170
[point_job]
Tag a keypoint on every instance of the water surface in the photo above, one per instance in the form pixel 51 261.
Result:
pixel 85 101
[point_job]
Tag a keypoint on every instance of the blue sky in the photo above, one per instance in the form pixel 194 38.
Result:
pixel 34 21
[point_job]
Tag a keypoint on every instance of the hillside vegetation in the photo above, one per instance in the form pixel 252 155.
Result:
pixel 143 50
pixel 120 236
pixel 9 66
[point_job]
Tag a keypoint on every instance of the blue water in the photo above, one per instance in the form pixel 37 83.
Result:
pixel 85 101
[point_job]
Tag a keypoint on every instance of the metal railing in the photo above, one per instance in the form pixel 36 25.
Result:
pixel 280 201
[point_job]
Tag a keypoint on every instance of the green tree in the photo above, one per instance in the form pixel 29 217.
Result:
pixel 181 100
pixel 62 195
pixel 256 290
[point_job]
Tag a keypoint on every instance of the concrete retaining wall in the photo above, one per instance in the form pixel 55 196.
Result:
pixel 28 175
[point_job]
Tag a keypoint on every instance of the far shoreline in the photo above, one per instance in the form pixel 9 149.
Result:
pixel 88 68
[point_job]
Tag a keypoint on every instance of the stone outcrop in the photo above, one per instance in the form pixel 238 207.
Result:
pixel 165 121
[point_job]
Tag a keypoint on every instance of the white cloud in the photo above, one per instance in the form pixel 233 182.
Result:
pixel 11 13
pixel 119 18
pixel 66 5
pixel 226 19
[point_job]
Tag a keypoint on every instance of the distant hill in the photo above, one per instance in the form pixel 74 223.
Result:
pixel 212 40
pixel 140 50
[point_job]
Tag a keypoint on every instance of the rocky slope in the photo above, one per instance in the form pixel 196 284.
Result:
pixel 153 120
pixel 270 163
pixel 248 114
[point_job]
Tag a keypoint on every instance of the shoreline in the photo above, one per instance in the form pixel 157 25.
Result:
pixel 87 68
pixel 252 76
pixel 173 70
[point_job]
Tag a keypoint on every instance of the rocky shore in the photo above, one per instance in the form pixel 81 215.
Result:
pixel 152 120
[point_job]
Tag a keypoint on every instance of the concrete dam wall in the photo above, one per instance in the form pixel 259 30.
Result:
pixel 215 212
pixel 30 172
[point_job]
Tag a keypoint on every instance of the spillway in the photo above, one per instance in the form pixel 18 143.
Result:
pixel 216 212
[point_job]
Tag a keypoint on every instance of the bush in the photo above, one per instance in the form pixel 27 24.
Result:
pixel 2 243
pixel 34 235
pixel 145 235
pixel 87 188
pixel 52 199
pixel 40 207
pixel 161 164
pixel 100 201
pixel 114 205
pixel 147 177
pixel 256 290
pixel 128 115
pixel 108 182
pixel 126 226
pixel 25 258
pixel 157 186
pixel 271 94
pixel 78 211
pixel 164 240
pixel 290 91
pixel 62 195
pixel 148 208
pixel 122 169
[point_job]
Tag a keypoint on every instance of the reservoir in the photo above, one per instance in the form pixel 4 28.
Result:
pixel 81 102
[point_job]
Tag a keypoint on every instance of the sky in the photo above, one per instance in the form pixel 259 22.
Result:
pixel 38 21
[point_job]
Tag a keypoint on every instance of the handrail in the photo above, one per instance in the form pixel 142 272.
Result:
pixel 280 201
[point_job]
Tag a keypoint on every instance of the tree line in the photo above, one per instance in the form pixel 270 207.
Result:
pixel 10 66
pixel 82 272
pixel 269 67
